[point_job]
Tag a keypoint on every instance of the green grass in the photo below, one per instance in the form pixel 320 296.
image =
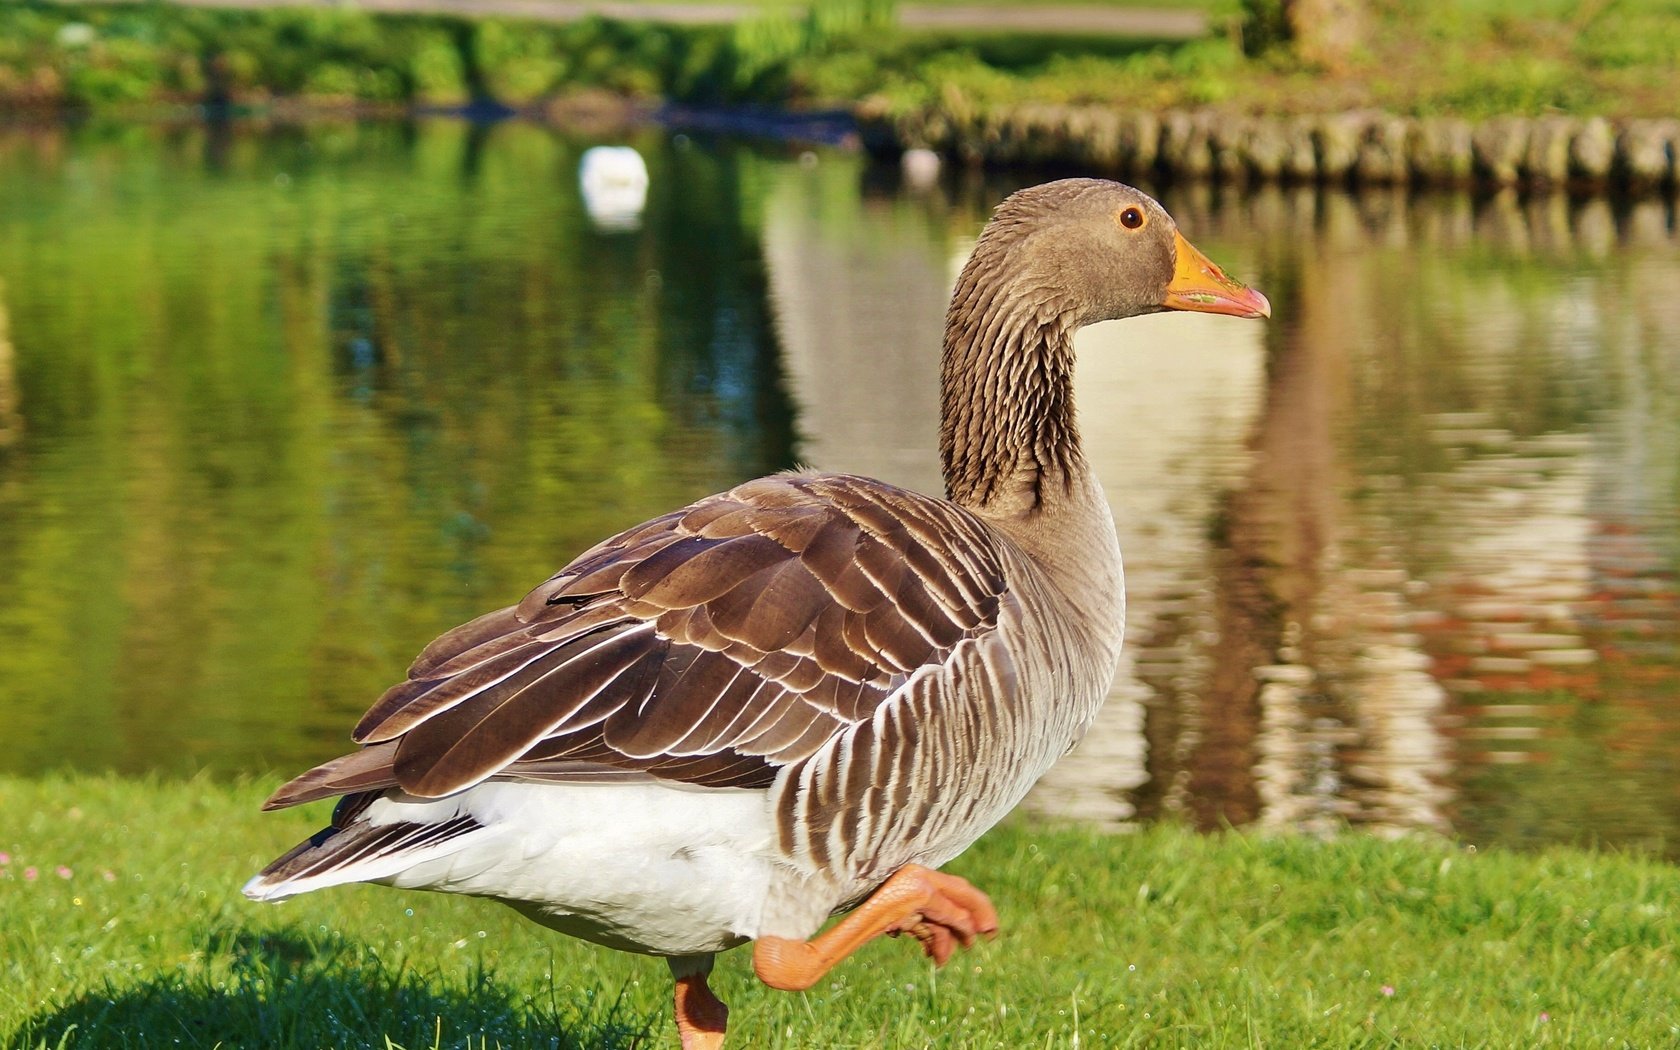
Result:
pixel 1473 58
pixel 800 5
pixel 122 925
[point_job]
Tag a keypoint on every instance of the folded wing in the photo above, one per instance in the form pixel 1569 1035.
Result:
pixel 714 646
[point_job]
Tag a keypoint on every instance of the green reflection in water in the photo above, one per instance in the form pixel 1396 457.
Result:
pixel 297 401
pixel 292 402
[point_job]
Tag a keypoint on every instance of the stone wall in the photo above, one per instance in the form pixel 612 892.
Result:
pixel 1366 147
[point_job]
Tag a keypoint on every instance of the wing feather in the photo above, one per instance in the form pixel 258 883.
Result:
pixel 657 728
pixel 364 770
pixel 475 739
pixel 770 608
pixel 487 628
pixel 696 570
pixel 716 645
pixel 407 704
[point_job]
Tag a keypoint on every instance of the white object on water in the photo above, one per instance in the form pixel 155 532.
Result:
pixel 614 180
pixel 75 34
pixel 921 168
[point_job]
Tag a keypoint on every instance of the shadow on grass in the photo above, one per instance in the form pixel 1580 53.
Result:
pixel 287 990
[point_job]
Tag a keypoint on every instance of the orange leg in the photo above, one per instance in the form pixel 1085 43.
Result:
pixel 701 1016
pixel 939 910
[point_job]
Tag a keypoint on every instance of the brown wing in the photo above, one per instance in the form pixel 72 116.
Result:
pixel 713 645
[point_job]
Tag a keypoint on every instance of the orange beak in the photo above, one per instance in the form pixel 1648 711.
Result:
pixel 1197 284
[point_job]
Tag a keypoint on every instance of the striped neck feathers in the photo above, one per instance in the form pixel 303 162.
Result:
pixel 1007 437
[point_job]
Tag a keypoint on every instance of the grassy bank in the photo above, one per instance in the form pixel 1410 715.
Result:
pixel 123 926
pixel 1472 58
pixel 140 56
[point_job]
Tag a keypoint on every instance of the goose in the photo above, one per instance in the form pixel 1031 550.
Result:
pixel 800 697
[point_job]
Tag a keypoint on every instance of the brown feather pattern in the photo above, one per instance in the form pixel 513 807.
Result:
pixel 716 645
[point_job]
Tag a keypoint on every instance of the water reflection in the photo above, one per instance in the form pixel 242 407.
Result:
pixel 1367 557
pixel 1430 563
pixel 11 420
pixel 291 413
pixel 295 400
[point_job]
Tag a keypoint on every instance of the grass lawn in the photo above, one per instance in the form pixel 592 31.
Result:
pixel 801 5
pixel 1473 58
pixel 121 924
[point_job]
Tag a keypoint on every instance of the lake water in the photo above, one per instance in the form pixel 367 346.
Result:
pixel 279 405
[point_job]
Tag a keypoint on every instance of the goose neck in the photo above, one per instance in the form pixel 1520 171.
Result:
pixel 1009 443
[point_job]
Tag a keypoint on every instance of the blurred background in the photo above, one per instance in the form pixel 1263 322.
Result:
pixel 324 328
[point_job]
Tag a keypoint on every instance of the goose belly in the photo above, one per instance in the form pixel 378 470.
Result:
pixel 645 867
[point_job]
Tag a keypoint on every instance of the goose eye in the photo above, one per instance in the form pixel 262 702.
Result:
pixel 1131 218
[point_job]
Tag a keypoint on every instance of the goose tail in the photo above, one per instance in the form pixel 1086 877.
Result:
pixel 367 841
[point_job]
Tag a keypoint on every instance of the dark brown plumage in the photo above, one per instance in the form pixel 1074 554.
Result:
pixel 714 646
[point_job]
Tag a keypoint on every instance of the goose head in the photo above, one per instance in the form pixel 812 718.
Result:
pixel 1088 250
pixel 1053 259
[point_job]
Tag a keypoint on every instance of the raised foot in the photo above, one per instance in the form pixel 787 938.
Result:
pixel 941 911
pixel 956 913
